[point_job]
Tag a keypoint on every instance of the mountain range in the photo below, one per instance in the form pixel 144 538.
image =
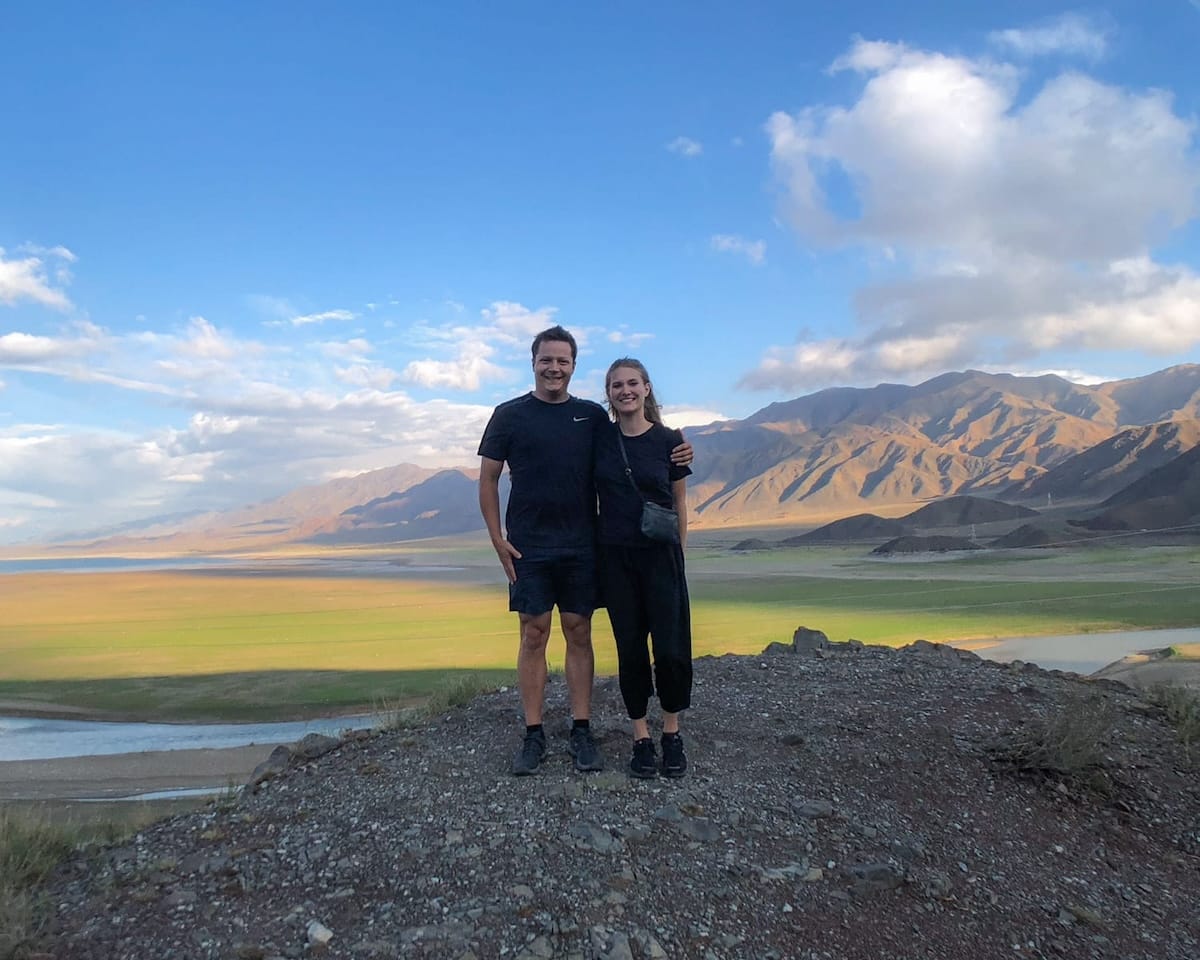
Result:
pixel 1037 441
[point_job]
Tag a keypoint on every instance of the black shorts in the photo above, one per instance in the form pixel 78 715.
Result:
pixel 550 578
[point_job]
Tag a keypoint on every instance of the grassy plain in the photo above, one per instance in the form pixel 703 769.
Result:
pixel 263 644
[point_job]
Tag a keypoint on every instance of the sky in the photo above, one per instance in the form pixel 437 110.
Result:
pixel 246 247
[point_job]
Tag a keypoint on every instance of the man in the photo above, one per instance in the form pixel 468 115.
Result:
pixel 548 547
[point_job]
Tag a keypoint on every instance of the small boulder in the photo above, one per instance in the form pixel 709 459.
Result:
pixel 811 642
pixel 272 767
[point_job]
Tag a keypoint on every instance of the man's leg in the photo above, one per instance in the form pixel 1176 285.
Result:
pixel 580 666
pixel 531 665
pixel 579 663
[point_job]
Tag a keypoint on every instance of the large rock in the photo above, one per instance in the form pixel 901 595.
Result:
pixel 812 642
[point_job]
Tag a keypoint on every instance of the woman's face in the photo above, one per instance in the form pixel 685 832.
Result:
pixel 627 391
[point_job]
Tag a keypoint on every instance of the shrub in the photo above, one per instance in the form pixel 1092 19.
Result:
pixel 460 689
pixel 1068 745
pixel 30 847
pixel 1182 706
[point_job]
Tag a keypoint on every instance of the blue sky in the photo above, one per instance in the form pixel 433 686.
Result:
pixel 247 247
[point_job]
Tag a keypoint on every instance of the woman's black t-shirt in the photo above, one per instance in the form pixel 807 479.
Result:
pixel 650 460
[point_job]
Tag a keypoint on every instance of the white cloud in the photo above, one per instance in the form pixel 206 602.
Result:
pixel 686 147
pixel 20 349
pixel 623 336
pixel 516 322
pixel 753 250
pixel 1069 34
pixel 370 375
pixel 1075 376
pixel 504 325
pixel 58 252
pixel 309 318
pixel 468 371
pixel 1008 223
pixel 204 342
pixel 354 347
pixel 243 419
pixel 680 417
pixel 26 279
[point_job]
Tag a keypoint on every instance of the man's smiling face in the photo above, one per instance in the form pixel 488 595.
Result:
pixel 552 369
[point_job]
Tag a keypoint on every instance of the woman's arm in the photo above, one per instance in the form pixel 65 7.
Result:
pixel 679 492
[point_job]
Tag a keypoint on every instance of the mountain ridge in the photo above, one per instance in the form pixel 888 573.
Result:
pixel 834 453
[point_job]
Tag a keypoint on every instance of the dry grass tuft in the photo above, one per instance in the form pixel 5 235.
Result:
pixel 459 690
pixel 1182 706
pixel 30 847
pixel 1067 746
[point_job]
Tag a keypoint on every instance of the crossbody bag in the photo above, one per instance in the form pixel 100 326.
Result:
pixel 658 523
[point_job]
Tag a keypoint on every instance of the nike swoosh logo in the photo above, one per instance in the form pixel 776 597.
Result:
pixel 580 419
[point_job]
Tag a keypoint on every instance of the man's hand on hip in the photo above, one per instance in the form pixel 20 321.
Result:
pixel 506 552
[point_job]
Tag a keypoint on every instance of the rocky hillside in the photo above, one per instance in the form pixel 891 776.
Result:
pixel 1111 465
pixel 831 454
pixel 844 802
pixel 1166 497
pixel 842 451
pixel 446 503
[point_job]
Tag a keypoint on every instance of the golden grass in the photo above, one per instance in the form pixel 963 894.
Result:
pixel 176 644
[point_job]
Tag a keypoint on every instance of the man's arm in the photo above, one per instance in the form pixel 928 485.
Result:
pixel 489 506
pixel 682 455
pixel 679 493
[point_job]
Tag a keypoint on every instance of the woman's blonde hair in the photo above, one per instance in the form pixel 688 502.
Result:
pixel 653 414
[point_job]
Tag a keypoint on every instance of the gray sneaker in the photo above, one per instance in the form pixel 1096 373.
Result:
pixel 582 746
pixel 529 757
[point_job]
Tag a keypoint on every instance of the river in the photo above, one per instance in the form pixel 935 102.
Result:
pixel 1083 653
pixel 37 738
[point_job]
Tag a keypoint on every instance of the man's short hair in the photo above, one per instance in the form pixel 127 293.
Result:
pixel 554 333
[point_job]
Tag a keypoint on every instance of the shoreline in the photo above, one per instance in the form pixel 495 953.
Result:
pixel 119 775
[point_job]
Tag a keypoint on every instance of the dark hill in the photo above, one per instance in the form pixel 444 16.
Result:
pixel 1039 535
pixel 862 526
pixel 1166 497
pixel 925 545
pixel 960 511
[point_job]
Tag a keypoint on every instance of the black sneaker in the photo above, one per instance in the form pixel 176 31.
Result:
pixel 529 757
pixel 583 748
pixel 644 764
pixel 674 762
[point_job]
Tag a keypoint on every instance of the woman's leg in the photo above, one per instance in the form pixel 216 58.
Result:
pixel 670 621
pixel 626 612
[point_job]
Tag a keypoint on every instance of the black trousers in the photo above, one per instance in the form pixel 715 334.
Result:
pixel 646 594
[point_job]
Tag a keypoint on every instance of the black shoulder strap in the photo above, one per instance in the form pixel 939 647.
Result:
pixel 625 458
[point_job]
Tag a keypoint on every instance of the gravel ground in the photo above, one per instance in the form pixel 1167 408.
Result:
pixel 843 802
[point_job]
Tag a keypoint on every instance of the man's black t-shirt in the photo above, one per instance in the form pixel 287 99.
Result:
pixel 548 448
pixel 650 460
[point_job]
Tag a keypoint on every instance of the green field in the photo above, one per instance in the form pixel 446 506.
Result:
pixel 211 645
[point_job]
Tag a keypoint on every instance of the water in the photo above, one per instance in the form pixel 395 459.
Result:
pixel 182 793
pixel 108 564
pixel 1084 653
pixel 36 738
pixel 367 567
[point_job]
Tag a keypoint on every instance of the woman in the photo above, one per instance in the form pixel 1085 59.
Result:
pixel 643 579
